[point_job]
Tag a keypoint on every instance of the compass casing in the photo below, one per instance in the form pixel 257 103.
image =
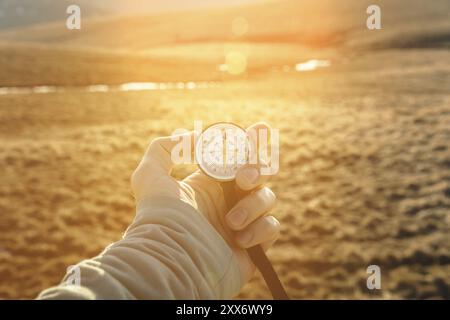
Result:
pixel 221 150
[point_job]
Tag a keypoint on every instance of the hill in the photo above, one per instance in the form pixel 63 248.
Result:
pixel 307 22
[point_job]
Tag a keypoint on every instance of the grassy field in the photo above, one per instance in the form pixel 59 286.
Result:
pixel 365 155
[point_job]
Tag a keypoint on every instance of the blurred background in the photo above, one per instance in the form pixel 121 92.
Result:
pixel 364 120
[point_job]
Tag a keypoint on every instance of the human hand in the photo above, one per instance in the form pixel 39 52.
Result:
pixel 247 224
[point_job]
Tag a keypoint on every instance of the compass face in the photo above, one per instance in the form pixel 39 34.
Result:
pixel 221 149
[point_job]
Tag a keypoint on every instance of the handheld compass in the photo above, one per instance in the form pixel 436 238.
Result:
pixel 220 151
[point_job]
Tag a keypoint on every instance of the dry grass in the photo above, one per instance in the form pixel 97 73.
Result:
pixel 364 174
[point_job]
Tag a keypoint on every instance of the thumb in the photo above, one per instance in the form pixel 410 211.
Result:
pixel 161 155
pixel 154 168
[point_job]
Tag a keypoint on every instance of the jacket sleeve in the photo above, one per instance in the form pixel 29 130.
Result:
pixel 170 251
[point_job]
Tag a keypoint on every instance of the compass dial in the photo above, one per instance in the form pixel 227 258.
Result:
pixel 221 149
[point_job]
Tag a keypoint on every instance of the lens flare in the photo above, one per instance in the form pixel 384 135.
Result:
pixel 236 62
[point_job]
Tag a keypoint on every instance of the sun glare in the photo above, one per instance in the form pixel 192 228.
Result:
pixel 235 63
pixel 311 65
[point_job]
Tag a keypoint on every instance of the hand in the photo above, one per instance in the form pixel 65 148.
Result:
pixel 247 224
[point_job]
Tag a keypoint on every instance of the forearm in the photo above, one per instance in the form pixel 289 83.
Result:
pixel 170 251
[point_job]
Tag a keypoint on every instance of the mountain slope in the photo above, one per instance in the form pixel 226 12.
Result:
pixel 305 22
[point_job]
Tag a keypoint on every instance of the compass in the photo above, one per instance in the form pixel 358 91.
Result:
pixel 220 151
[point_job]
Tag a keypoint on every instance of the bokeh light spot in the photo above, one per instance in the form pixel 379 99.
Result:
pixel 239 26
pixel 236 62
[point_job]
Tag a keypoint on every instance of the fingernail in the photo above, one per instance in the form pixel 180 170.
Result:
pixel 237 217
pixel 245 237
pixel 251 174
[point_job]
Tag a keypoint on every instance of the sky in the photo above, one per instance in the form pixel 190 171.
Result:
pixel 17 13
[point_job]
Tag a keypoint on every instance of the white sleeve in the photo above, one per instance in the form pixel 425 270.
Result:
pixel 170 251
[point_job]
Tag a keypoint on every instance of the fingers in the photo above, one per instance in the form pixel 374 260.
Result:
pixel 253 131
pixel 248 177
pixel 250 208
pixel 259 136
pixel 265 230
pixel 250 220
pixel 266 245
